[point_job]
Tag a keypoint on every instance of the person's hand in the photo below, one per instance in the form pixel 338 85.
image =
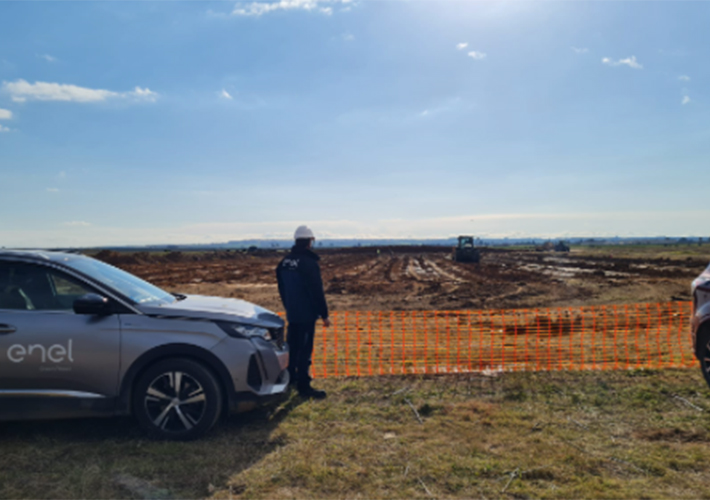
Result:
pixel 326 322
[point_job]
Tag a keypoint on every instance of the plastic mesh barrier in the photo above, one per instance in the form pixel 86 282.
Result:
pixel 608 337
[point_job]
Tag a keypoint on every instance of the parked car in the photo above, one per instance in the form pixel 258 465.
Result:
pixel 79 337
pixel 701 321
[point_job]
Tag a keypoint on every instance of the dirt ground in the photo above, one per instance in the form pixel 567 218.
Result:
pixel 426 278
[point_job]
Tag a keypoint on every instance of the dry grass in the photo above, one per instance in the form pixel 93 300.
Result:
pixel 636 434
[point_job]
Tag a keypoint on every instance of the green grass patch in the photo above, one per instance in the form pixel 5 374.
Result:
pixel 625 434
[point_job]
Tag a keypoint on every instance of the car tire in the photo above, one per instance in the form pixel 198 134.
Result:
pixel 703 351
pixel 177 399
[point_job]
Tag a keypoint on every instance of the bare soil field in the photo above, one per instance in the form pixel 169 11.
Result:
pixel 557 434
pixel 426 278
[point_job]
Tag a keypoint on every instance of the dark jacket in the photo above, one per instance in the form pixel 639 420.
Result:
pixel 301 286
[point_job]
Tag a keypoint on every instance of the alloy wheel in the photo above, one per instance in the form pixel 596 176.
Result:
pixel 175 402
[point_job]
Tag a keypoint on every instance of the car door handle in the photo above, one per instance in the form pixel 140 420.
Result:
pixel 5 329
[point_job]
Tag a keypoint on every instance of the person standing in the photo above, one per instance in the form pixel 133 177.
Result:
pixel 301 290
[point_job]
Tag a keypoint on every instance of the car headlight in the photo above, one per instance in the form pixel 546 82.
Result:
pixel 245 331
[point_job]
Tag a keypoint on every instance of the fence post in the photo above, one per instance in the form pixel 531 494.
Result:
pixel 369 344
pixel 549 339
pixel 458 341
pixel 414 341
pixel 681 322
pixel 404 345
pixel 491 359
pixel 626 334
pixel 537 340
pixel 347 346
pixel 436 327
pixel 380 351
pixel 502 342
pixel 448 342
pixel 480 340
pixel 426 343
pixel 335 343
pixel 357 337
pixel 325 351
pixel 470 339
pixel 391 342
pixel 581 336
pixel 559 338
pixel 616 342
pixel 606 332
pixel 658 335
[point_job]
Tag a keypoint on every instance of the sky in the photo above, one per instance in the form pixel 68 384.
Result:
pixel 194 122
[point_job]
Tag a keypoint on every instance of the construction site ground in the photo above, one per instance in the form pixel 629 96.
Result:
pixel 631 433
pixel 426 278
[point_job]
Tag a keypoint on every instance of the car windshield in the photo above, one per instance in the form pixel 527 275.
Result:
pixel 139 291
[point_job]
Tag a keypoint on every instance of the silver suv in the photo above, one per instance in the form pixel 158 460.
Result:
pixel 79 337
pixel 701 321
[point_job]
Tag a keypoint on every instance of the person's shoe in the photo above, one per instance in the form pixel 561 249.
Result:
pixel 311 393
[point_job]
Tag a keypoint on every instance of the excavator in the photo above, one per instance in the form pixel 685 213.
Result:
pixel 465 251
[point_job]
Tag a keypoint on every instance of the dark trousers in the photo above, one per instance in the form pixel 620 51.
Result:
pixel 300 342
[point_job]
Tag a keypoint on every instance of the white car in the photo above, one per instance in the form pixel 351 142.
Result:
pixel 82 338
pixel 701 321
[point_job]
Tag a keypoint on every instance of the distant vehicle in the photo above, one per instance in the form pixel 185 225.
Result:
pixel 465 251
pixel 561 246
pixel 548 246
pixel 80 338
pixel 700 324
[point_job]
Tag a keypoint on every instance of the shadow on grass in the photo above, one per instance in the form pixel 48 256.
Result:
pixel 93 457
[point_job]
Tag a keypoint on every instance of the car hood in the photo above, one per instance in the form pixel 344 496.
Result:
pixel 216 309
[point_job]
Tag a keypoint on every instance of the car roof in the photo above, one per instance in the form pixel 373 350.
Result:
pixel 40 255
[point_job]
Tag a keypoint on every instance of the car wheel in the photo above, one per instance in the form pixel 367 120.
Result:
pixel 703 346
pixel 177 399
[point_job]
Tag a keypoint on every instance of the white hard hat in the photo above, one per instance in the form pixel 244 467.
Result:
pixel 303 232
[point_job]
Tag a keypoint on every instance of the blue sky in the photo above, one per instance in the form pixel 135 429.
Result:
pixel 157 122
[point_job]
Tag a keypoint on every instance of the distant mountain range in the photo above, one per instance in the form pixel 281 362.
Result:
pixel 384 242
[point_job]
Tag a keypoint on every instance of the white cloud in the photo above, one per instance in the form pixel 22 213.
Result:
pixel 52 190
pixel 77 223
pixel 579 50
pixel 479 56
pixel 631 62
pixel 348 37
pixel 461 46
pixel 142 94
pixel 260 8
pixel 5 114
pixel 4 129
pixel 685 100
pixel 48 58
pixel 21 91
pixel 684 78
pixel 225 95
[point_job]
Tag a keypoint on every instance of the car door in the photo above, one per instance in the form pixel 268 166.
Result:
pixel 52 359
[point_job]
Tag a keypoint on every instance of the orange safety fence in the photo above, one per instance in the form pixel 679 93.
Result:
pixel 607 337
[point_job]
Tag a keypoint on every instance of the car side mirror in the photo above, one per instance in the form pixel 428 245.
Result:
pixel 92 304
